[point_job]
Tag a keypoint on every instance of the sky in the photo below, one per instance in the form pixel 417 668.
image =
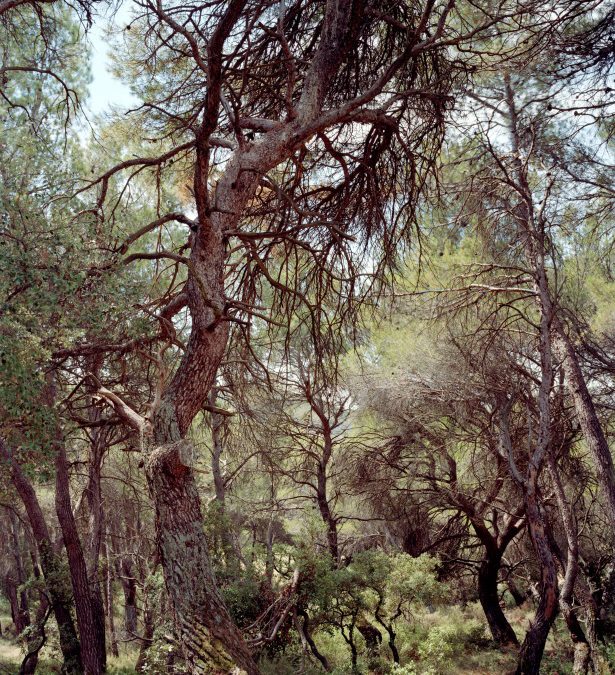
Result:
pixel 105 89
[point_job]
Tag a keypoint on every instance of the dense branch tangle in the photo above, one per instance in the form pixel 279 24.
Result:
pixel 308 132
pixel 321 166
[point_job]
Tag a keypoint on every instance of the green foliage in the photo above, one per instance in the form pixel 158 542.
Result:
pixel 445 642
pixel 162 655
pixel 245 598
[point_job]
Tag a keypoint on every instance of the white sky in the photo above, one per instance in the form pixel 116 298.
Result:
pixel 105 89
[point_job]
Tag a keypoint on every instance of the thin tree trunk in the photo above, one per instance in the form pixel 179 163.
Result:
pixel 308 636
pixel 129 587
pixel 495 546
pixel 327 516
pixel 535 239
pixel 90 613
pixel 58 585
pixel 590 611
pixel 148 631
pixel 109 599
pixel 10 588
pixel 582 652
pixel 217 433
pixel 588 418
pixel 23 610
pixel 321 488
pixel 36 641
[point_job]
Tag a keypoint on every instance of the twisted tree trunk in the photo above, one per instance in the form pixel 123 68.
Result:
pixel 501 630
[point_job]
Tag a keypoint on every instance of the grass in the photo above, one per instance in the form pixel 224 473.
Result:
pixel 11 656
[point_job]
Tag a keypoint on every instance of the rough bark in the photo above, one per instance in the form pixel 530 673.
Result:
pixel 210 640
pixel 208 637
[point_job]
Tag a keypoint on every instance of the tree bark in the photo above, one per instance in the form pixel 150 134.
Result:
pixel 109 599
pixel 23 610
pixel 501 630
pixel 37 639
pixel 495 545
pixel 588 418
pixel 58 586
pixel 10 587
pixel 325 512
pixel 308 637
pixel 210 640
pixel 533 646
pixel 582 651
pixel 90 612
pixel 129 587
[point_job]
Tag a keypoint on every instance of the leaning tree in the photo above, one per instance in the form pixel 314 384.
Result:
pixel 302 135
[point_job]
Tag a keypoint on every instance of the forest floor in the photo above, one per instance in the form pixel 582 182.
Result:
pixel 472 659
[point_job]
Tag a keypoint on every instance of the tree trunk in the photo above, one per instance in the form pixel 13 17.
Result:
pixel 517 595
pixel 323 503
pixel 58 586
pixel 588 419
pixel 148 631
pixel 582 654
pixel 23 610
pixel 109 599
pixel 147 638
pixel 590 611
pixel 502 632
pixel 10 587
pixel 129 586
pixel 533 645
pixel 308 637
pixel 37 639
pixel 90 612
pixel 331 525
pixel 210 640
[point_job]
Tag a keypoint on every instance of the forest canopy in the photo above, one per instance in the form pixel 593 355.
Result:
pixel 307 357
